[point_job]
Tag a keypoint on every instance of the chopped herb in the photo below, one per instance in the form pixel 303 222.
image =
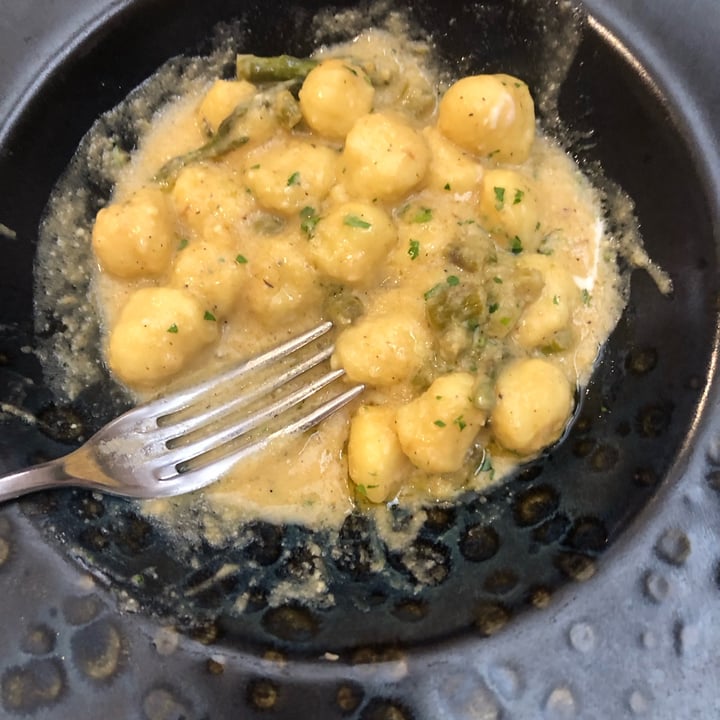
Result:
pixel 466 222
pixel 255 167
pixel 499 197
pixel 493 307
pixel 351 70
pixel 447 186
pixel 308 220
pixel 432 291
pixel 451 280
pixel 498 280
pixel 209 316
pixel 556 299
pixel 414 249
pixel 362 489
pixel 519 194
pixel 439 423
pixel 423 215
pixel 183 243
pixel 460 422
pixel 552 348
pixel 173 328
pixel 356 222
pixel 241 259
pixel 294 179
pixel 505 320
pixel 493 153
pixel 586 297
pixel 516 246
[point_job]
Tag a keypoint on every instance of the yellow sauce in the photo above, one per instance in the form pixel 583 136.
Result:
pixel 306 479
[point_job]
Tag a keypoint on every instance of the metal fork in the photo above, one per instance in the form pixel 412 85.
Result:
pixel 189 439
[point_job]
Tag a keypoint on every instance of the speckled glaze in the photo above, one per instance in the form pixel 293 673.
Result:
pixel 584 588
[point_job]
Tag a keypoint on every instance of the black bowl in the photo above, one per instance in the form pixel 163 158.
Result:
pixel 478 568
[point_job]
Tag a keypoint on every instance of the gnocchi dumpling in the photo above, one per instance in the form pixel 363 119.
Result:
pixel 384 157
pixel 489 115
pixel 350 243
pixel 508 210
pixel 547 321
pixel 220 100
pixel 211 201
pixel 286 178
pixel 160 330
pixel 382 349
pixel 451 168
pixel 135 238
pixel 376 462
pixel 437 429
pixel 213 274
pixel 281 281
pixel 533 403
pixel 334 95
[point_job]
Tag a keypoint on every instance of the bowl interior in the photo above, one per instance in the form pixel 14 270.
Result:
pixel 475 564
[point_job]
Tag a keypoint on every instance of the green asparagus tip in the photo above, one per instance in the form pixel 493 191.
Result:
pixel 272 69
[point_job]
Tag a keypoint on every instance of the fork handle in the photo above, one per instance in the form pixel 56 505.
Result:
pixel 48 475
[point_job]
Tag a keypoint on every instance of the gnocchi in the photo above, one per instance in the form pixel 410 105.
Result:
pixel 546 322
pixel 437 428
pixel 210 273
pixel 383 350
pixel 334 95
pixel 352 241
pixel 533 404
pixel 451 168
pixel 135 238
pixel 490 115
pixel 508 209
pixel 159 331
pixel 289 176
pixel 384 157
pixel 282 283
pixel 209 202
pixel 376 461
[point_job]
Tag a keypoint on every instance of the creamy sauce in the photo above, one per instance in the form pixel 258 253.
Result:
pixel 306 479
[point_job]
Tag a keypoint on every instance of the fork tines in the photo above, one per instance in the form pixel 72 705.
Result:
pixel 210 427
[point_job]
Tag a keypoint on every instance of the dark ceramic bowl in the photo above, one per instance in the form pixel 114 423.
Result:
pixel 481 572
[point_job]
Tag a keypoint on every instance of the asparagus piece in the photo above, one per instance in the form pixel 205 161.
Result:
pixel 272 69
pixel 278 99
pixel 222 142
pixel 284 70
